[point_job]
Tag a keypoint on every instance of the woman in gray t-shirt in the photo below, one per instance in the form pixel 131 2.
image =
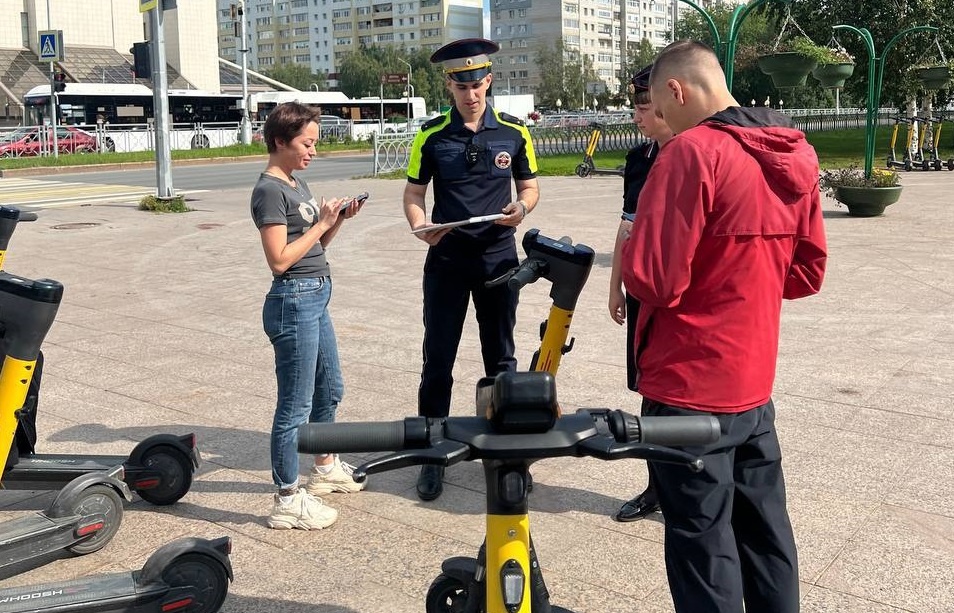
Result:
pixel 295 231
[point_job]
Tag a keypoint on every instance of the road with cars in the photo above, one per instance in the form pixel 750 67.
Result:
pixel 71 188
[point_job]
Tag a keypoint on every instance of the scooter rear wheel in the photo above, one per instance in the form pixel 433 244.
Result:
pixel 99 499
pixel 176 469
pixel 204 577
pixel 446 595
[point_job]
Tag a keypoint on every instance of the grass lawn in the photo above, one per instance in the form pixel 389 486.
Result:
pixel 835 149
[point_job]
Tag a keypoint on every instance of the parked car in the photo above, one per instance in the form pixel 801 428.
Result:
pixel 28 141
pixel 332 126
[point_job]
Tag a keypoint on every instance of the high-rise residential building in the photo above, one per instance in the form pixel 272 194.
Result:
pixel 320 33
pixel 600 29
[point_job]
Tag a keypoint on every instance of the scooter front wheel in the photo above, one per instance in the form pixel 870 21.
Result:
pixel 446 595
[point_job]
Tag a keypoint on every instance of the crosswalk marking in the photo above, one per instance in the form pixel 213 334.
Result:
pixel 35 193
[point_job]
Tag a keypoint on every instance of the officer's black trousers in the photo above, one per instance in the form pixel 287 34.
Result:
pixel 728 535
pixel 447 293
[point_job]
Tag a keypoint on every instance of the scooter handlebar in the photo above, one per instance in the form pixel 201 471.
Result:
pixel 25 216
pixel 667 431
pixel 357 437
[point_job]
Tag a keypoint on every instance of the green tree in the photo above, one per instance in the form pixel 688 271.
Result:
pixel 360 73
pixel 565 74
pixel 298 76
pixel 884 19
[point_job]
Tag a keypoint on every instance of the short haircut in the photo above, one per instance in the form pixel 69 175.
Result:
pixel 642 97
pixel 682 58
pixel 285 122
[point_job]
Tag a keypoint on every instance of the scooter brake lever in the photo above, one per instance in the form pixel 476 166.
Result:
pixel 444 453
pixel 606 448
pixel 501 279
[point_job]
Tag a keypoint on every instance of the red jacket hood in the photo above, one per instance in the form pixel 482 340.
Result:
pixel 788 161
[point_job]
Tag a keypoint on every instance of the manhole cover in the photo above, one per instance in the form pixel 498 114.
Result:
pixel 75 226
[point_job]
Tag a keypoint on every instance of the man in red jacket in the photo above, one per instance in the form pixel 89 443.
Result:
pixel 729 224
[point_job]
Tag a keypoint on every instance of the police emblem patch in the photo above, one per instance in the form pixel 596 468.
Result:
pixel 502 161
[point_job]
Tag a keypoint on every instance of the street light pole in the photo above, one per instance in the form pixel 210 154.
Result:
pixel 56 146
pixel 245 131
pixel 725 49
pixel 875 78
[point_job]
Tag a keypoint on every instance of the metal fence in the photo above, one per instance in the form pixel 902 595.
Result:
pixel 391 151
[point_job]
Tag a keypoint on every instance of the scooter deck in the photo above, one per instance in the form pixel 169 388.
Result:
pixel 44 471
pixel 36 535
pixel 106 593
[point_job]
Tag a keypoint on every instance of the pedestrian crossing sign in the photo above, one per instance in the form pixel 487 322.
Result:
pixel 51 46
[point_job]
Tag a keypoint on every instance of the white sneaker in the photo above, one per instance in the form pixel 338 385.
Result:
pixel 303 511
pixel 339 479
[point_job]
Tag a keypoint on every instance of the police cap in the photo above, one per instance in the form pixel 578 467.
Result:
pixel 467 59
pixel 640 80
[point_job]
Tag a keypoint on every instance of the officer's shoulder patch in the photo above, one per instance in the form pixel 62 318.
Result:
pixel 509 118
pixel 433 123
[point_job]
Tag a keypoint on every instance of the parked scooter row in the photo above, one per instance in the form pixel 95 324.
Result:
pixel 188 575
pixel 920 152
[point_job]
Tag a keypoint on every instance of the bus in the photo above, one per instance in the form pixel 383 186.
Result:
pixel 122 115
pixel 358 117
pixel 128 103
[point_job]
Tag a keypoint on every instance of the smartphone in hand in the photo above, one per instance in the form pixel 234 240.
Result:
pixel 360 198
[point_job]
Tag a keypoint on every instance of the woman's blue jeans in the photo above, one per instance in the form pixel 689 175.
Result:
pixel 297 322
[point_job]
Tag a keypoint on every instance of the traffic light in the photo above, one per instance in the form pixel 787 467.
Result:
pixel 59 81
pixel 142 60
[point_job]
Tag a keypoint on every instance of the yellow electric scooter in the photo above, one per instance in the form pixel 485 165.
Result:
pixel 588 167
pixel 905 161
pixel 522 426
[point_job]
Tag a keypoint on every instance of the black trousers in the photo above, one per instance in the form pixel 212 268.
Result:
pixel 451 279
pixel 728 536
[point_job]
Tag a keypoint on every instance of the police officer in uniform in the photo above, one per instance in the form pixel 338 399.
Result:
pixel 472 154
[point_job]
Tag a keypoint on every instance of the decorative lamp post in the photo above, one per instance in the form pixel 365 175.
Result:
pixel 875 78
pixel 725 49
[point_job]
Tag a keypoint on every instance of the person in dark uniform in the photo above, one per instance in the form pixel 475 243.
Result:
pixel 473 154
pixel 622 306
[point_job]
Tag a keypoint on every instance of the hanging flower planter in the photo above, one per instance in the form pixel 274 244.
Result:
pixel 832 76
pixel 933 77
pixel 788 69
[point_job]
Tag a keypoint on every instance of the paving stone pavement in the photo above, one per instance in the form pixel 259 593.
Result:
pixel 160 331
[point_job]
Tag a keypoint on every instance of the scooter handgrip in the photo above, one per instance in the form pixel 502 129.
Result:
pixel 679 431
pixel 351 437
pixel 523 276
pixel 25 216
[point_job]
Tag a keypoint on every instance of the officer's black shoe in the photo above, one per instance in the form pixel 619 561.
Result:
pixel 430 483
pixel 638 508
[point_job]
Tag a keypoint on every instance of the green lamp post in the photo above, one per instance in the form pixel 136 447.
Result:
pixel 875 78
pixel 725 49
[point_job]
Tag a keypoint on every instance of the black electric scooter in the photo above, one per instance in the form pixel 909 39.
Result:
pixel 160 469
pixel 567 267
pixel 87 512
pixel 522 426
pixel 190 575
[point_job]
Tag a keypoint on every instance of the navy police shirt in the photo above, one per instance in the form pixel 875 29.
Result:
pixel 472 172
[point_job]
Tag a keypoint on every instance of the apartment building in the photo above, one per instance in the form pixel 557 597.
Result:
pixel 600 29
pixel 320 33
